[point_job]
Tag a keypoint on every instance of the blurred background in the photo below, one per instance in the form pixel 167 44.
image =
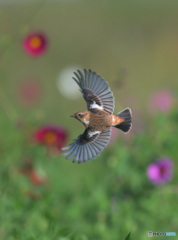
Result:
pixel 132 185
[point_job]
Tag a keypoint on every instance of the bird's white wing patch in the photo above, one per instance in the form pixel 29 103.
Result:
pixel 91 134
pixel 88 145
pixel 94 105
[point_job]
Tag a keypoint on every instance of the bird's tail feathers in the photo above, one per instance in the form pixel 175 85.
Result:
pixel 126 123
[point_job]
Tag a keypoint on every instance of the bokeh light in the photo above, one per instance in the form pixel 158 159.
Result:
pixel 66 86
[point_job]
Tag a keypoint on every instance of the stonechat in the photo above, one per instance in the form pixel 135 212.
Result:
pixel 98 119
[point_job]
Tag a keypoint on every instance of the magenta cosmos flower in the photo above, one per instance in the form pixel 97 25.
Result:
pixel 160 101
pixel 160 172
pixel 35 44
pixel 54 137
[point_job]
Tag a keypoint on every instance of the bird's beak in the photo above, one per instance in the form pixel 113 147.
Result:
pixel 72 116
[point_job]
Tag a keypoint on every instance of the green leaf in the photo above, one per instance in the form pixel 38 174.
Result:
pixel 128 237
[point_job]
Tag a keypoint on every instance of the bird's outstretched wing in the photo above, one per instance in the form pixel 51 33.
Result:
pixel 88 145
pixel 96 91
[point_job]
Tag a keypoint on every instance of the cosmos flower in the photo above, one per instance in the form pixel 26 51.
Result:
pixel 66 85
pixel 35 44
pixel 160 101
pixel 29 92
pixel 160 172
pixel 53 137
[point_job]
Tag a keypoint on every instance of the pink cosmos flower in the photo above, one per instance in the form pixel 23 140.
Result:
pixel 35 44
pixel 53 137
pixel 160 101
pixel 160 172
pixel 29 92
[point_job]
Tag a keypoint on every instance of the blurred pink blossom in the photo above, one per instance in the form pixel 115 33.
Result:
pixel 161 100
pixel 35 44
pixel 29 92
pixel 53 137
pixel 160 172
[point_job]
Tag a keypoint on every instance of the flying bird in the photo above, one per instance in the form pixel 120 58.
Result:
pixel 98 119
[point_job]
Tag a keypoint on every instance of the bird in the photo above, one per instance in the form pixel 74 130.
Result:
pixel 98 119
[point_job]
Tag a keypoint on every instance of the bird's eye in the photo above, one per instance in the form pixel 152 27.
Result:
pixel 80 115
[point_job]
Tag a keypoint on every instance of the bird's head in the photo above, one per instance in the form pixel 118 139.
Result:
pixel 80 116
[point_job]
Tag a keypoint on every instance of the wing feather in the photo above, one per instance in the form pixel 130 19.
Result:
pixel 95 89
pixel 88 145
pixel 91 152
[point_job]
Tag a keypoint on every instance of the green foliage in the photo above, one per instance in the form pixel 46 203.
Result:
pixel 128 237
pixel 101 199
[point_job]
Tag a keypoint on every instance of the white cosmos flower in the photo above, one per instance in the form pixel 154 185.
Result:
pixel 66 85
